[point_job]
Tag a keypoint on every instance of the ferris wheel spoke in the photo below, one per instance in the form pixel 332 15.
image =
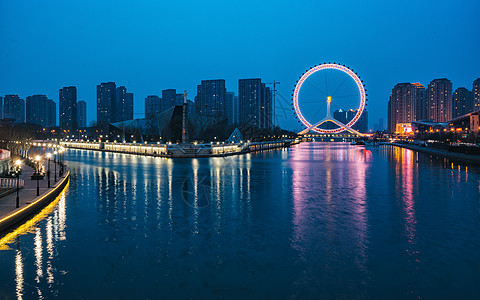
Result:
pixel 334 93
pixel 316 112
pixel 346 96
pixel 316 88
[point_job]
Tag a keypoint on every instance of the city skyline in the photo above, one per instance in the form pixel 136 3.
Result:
pixel 181 67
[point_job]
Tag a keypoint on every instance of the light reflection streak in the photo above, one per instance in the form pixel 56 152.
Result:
pixel 316 188
pixel 38 254
pixel 195 166
pixel 19 274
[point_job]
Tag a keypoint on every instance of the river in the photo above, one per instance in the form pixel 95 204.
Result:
pixel 317 220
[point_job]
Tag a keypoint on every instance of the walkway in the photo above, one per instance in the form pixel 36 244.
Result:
pixel 29 192
pixel 460 157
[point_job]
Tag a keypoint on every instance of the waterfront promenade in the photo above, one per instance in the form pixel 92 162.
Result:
pixel 29 202
pixel 189 150
pixel 460 157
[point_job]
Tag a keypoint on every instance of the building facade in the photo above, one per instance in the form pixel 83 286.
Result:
pixel 106 96
pixel 67 107
pixel 169 99
pixel 14 108
pixel 211 98
pixel 123 108
pixel 439 100
pixel 421 101
pixel 82 114
pixel 476 95
pixel 254 101
pixel 402 105
pixel 152 106
pixel 231 107
pixel 40 111
pixel 462 102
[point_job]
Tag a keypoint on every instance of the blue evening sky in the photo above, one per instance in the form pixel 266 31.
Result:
pixel 153 45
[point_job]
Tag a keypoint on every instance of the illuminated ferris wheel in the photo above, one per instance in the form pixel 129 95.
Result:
pixel 323 87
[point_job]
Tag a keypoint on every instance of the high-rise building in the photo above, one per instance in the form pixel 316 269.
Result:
pixel 380 124
pixel 340 115
pixel 266 108
pixel 40 111
pixel 462 102
pixel 179 100
pixel 152 106
pixel 82 114
pixel 169 98
pixel 51 113
pixel 14 108
pixel 106 96
pixel 439 100
pixel 476 95
pixel 402 105
pixel 231 107
pixel 67 106
pixel 254 100
pixel 123 108
pixel 420 101
pixel 210 99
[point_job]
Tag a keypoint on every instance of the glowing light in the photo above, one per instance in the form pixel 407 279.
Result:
pixel 296 92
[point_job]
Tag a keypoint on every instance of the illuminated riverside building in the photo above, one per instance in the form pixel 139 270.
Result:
pixel 476 94
pixel 67 106
pixel 231 107
pixel 211 98
pixel 105 101
pixel 123 108
pixel 14 108
pixel 41 111
pixel 420 101
pixel 402 105
pixel 255 103
pixel 462 102
pixel 82 114
pixel 169 99
pixel 152 106
pixel 439 100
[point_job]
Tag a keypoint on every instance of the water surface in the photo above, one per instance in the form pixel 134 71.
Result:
pixel 318 220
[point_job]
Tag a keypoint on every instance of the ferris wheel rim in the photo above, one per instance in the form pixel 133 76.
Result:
pixel 329 66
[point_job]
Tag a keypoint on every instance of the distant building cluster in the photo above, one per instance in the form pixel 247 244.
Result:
pixel 113 104
pixel 345 116
pixel 252 106
pixel 438 102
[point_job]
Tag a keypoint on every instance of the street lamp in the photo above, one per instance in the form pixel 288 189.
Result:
pixel 18 163
pixel 37 159
pixel 60 173
pixel 55 163
pixel 49 155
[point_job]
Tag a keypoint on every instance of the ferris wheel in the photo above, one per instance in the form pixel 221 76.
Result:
pixel 323 87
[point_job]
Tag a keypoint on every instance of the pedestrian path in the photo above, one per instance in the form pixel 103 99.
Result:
pixel 28 193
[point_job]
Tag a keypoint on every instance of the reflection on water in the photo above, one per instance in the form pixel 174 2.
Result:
pixel 319 185
pixel 49 220
pixel 326 220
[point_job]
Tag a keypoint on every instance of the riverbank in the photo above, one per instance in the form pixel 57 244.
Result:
pixel 29 202
pixel 190 150
pixel 459 157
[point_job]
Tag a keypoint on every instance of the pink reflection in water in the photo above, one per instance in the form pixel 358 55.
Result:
pixel 329 198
